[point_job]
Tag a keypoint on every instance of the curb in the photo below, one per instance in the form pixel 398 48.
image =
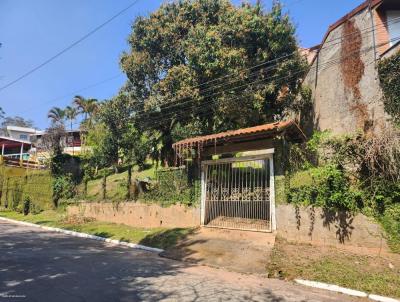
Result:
pixel 84 235
pixel 343 290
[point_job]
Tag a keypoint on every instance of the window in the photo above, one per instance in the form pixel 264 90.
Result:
pixel 393 17
pixel 23 136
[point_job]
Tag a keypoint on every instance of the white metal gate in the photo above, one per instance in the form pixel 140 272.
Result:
pixel 238 193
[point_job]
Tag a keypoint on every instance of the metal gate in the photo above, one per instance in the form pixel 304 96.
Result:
pixel 236 193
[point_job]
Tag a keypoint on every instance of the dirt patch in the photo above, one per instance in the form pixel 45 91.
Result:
pixel 77 219
pixel 239 251
pixel 373 274
pixel 352 66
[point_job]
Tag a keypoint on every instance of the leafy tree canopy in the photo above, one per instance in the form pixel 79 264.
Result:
pixel 191 66
pixel 14 121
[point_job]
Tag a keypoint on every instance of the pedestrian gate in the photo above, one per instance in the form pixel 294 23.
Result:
pixel 237 193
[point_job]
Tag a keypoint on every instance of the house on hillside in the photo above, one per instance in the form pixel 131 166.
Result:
pixel 71 142
pixel 21 133
pixel 343 73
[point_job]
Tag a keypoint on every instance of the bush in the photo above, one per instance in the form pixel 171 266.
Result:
pixel 390 220
pixel 330 188
pixel 389 71
pixel 63 187
pixel 27 205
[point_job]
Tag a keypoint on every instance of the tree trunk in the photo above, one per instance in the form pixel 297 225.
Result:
pixel 104 185
pixel 129 183
pixel 85 186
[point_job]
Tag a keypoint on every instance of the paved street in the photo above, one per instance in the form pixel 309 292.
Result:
pixel 44 266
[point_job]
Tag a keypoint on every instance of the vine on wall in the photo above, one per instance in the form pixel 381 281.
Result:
pixel 389 76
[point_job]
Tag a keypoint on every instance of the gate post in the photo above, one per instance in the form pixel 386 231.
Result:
pixel 272 192
pixel 203 196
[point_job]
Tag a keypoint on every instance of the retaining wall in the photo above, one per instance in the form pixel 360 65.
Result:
pixel 139 215
pixel 328 228
pixel 302 225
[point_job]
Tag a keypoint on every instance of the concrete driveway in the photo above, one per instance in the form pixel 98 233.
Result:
pixel 43 266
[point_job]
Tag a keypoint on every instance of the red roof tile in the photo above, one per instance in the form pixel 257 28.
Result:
pixel 273 128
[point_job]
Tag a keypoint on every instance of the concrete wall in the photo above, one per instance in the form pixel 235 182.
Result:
pixel 304 226
pixel 317 227
pixel 337 106
pixel 139 215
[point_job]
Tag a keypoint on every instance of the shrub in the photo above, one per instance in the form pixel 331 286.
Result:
pixel 27 205
pixel 330 188
pixel 63 187
pixel 389 71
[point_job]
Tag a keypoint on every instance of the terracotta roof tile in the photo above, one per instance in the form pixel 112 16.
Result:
pixel 273 128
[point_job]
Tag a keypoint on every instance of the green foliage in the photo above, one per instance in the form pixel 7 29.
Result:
pixel 389 76
pixel 16 184
pixel 187 43
pixel 390 221
pixel 63 188
pixel 330 189
pixel 27 205
pixel 173 187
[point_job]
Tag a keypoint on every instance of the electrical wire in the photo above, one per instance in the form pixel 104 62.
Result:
pixel 69 47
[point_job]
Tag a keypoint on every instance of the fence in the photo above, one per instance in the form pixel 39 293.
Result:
pixel 14 189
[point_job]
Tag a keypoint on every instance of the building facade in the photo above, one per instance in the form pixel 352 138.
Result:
pixel 343 75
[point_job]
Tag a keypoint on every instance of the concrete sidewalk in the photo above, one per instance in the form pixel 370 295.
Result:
pixel 44 266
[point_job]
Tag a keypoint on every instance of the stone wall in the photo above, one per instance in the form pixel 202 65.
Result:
pixel 328 228
pixel 139 215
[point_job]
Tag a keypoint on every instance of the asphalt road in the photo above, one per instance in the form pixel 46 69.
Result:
pixel 43 266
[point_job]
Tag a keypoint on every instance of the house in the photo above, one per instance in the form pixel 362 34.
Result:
pixel 343 75
pixel 71 143
pixel 21 133
pixel 238 170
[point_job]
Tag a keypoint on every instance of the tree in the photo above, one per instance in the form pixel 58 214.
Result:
pixel 70 113
pixel 56 115
pixel 181 56
pixel 86 106
pixel 52 140
pixel 14 121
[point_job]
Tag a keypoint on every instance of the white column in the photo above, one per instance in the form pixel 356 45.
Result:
pixel 2 150
pixel 203 195
pixel 22 150
pixel 272 192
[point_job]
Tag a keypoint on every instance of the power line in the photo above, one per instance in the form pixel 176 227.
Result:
pixel 70 46
pixel 326 65
pixel 32 109
pixel 328 44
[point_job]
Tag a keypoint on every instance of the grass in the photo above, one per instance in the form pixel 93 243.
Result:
pixel 116 184
pixel 372 274
pixel 155 237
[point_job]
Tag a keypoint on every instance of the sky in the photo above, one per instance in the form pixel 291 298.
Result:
pixel 33 31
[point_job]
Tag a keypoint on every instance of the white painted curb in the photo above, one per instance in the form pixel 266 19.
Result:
pixel 343 290
pixel 381 298
pixel 84 235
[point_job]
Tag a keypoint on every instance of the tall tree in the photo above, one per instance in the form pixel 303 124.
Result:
pixel 70 114
pixel 56 115
pixel 198 65
pixel 85 106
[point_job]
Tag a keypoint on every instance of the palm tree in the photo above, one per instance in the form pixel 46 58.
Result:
pixel 56 115
pixel 85 106
pixel 70 113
